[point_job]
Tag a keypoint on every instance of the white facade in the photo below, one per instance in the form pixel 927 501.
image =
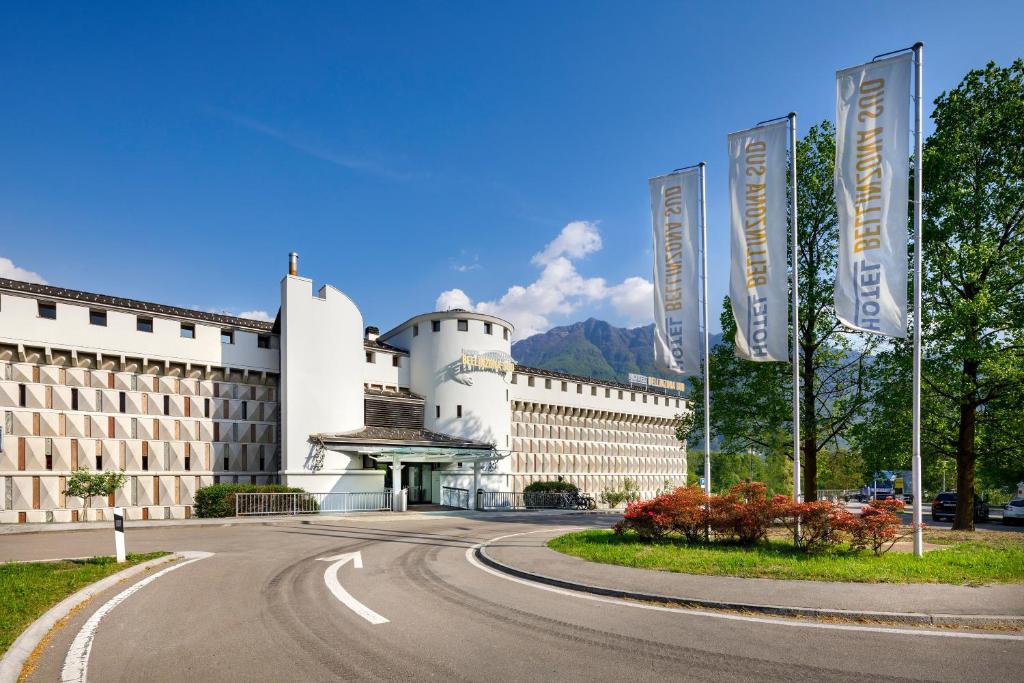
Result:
pixel 180 399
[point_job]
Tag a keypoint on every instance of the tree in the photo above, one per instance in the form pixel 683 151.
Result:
pixel 85 484
pixel 751 402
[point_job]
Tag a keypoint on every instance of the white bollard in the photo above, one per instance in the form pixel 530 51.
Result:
pixel 119 534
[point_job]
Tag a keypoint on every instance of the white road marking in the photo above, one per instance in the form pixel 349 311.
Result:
pixel 76 664
pixel 331 579
pixel 470 556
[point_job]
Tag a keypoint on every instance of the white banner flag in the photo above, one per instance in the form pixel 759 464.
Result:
pixel 871 179
pixel 758 285
pixel 676 222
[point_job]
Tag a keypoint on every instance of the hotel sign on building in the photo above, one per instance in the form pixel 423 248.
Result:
pixel 646 381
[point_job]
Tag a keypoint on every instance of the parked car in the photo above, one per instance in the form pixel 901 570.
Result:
pixel 944 507
pixel 1013 512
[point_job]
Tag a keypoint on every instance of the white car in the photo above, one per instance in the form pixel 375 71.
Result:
pixel 1013 512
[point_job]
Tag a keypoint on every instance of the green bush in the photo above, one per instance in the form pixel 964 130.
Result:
pixel 218 500
pixel 551 487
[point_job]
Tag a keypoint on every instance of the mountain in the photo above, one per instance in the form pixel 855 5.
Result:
pixel 593 348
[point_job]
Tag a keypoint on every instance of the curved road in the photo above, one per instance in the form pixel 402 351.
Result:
pixel 259 609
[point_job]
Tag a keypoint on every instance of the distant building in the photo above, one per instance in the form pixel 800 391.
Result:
pixel 181 399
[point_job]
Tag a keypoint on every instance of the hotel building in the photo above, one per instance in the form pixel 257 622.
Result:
pixel 179 399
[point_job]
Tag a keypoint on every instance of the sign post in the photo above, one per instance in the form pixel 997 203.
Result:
pixel 119 533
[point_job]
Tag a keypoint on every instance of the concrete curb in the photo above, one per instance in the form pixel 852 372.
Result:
pixel 902 618
pixel 22 648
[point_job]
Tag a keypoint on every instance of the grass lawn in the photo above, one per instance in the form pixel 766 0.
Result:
pixel 28 589
pixel 981 557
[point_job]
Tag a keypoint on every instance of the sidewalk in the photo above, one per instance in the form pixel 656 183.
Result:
pixel 528 554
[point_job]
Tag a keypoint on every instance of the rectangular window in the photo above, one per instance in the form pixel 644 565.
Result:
pixel 121 401
pixel 488 328
pixel 505 331
pixel 263 341
pixel 22 395
pixel 515 378
pixel 632 396
pixel 607 393
pixel 565 386
pixel 227 336
pixel 458 410
pixel 99 463
pixel 547 384
pixel 437 411
pixel 188 463
pixel 74 398
pixel 188 331
pixel 396 361
pixel 370 357
pixel 97 318
pixel 206 408
pixel 593 391
pixel 226 464
pixel 620 395
pixel 49 460
pixel 47 310
pixel 435 325
pixel 144 324
pixel 463 326
pixel 415 330
pixel 579 388
pixel 245 410
pixel 263 462
pixel 529 380
pixel 167 405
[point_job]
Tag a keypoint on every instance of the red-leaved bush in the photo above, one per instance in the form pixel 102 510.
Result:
pixel 821 522
pixel 879 526
pixel 746 512
pixel 683 511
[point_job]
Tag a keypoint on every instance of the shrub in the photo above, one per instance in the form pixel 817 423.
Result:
pixel 551 487
pixel 218 500
pixel 629 493
pixel 746 512
pixel 687 512
pixel 645 518
pixel 822 523
pixel 879 526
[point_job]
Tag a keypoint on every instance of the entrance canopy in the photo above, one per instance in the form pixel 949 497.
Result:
pixel 398 444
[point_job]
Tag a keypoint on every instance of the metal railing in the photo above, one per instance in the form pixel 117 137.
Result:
pixel 531 500
pixel 248 504
pixel 455 498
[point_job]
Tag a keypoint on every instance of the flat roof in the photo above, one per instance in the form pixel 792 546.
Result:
pixel 555 374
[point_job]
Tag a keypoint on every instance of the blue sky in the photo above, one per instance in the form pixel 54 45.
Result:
pixel 177 152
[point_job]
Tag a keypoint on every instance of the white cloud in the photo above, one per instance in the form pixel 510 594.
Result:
pixel 576 240
pixel 560 290
pixel 256 315
pixel 13 272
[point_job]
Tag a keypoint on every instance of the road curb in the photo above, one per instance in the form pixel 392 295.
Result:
pixel 12 661
pixel 902 618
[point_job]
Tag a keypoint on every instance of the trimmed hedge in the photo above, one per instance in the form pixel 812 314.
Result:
pixel 551 487
pixel 218 500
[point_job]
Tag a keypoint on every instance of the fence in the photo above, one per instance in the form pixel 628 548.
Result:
pixel 455 498
pixel 532 500
pixel 247 504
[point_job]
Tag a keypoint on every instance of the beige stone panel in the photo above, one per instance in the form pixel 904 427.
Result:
pixel 122 497
pixel 205 430
pixel 147 427
pixel 35 396
pixel 110 401
pixel 99 378
pixel 88 400
pixel 76 377
pixel 234 410
pixel 49 374
pixel 96 426
pixel 188 490
pixel 133 402
pixel 110 450
pixel 205 387
pixel 176 405
pixel 220 452
pixel 35 453
pixel 167 429
pixel 176 456
pixel 168 490
pixel 49 424
pixel 152 404
pixel 9 394
pixel 49 492
pixel 123 380
pixel 167 385
pixel 22 372
pixel 122 427
pixel 145 490
pixel 21 423
pixel 21 493
pixel 189 387
pixel 133 455
pixel 189 431
pixel 156 455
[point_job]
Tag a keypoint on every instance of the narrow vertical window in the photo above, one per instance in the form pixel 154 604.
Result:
pixel 167 405
pixel 74 398
pixel 22 395
pixel 121 401
pixel 437 411
pixel 458 411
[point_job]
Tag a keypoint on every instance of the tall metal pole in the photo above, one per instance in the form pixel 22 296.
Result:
pixel 707 374
pixel 918 260
pixel 795 246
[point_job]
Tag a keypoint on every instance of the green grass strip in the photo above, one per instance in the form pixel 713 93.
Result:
pixel 28 589
pixel 965 562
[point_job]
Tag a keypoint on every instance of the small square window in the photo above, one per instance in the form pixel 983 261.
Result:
pixel 263 341
pixel 488 328
pixel 370 358
pixel 98 318
pixel 47 310
pixel 435 325
pixel 396 361
pixel 188 331
pixel 463 326
pixel 144 324
pixel 415 330
pixel 227 336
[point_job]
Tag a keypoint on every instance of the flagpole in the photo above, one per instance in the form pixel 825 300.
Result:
pixel 795 246
pixel 918 260
pixel 704 284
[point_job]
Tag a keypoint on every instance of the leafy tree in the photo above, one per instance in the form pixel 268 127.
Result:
pixel 973 291
pixel 85 484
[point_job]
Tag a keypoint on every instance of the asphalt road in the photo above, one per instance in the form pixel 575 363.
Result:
pixel 259 608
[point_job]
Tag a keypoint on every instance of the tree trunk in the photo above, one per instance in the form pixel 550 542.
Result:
pixel 809 430
pixel 966 453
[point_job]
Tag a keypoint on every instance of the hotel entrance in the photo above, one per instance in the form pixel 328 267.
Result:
pixel 416 477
